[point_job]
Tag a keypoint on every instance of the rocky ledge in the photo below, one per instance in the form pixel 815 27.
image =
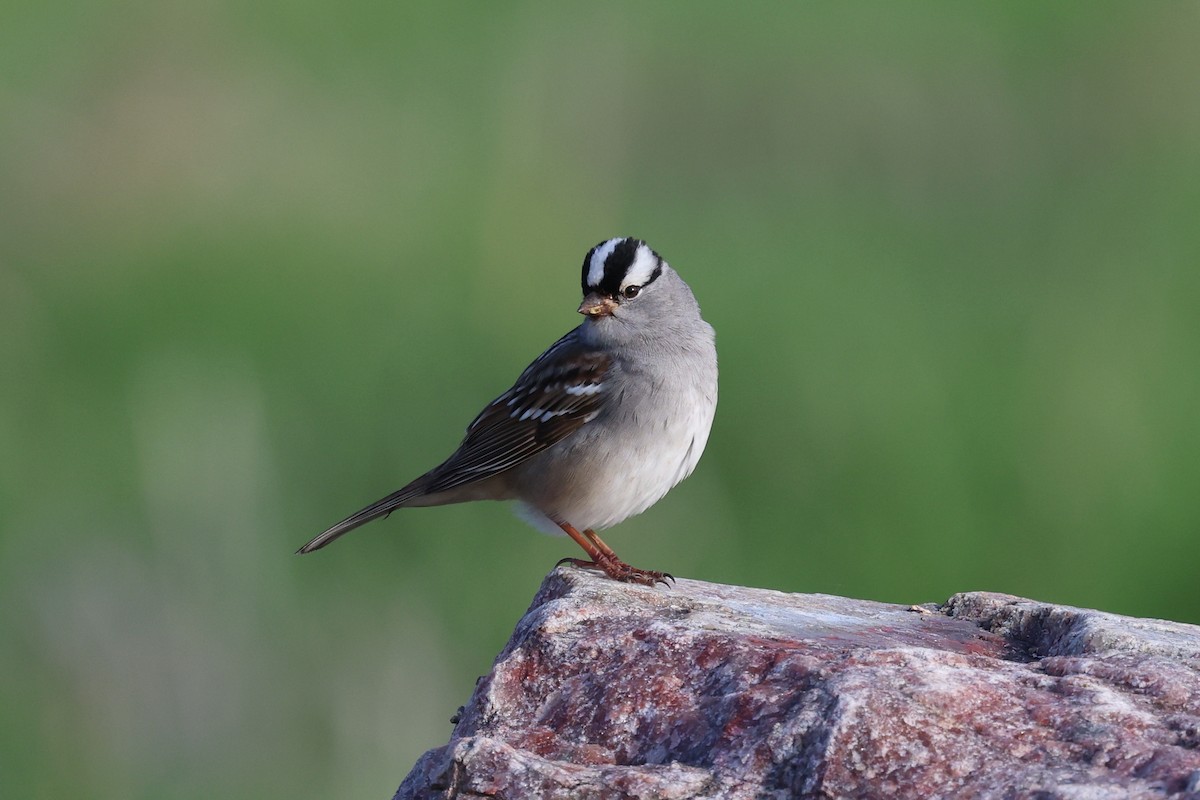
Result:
pixel 609 690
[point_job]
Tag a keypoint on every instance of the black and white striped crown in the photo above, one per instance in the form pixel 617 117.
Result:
pixel 611 266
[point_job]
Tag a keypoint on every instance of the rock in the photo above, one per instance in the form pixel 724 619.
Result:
pixel 608 690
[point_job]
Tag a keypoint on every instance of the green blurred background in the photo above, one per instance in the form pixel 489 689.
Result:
pixel 261 263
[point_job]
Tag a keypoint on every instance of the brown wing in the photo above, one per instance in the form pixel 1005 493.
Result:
pixel 556 395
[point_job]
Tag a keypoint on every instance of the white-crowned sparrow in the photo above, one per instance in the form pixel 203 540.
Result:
pixel 600 426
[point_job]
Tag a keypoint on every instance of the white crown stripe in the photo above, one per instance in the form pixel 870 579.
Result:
pixel 642 268
pixel 601 254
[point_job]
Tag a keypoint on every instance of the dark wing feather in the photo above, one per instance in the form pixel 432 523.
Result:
pixel 554 397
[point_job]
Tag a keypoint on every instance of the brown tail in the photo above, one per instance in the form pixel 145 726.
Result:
pixel 380 508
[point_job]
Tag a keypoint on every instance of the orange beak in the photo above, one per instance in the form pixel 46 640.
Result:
pixel 597 305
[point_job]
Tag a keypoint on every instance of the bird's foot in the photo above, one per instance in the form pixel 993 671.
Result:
pixel 620 571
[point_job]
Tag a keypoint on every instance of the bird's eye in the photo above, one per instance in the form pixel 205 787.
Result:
pixel 630 292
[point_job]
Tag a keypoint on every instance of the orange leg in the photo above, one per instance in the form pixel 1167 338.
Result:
pixel 602 556
pixel 591 549
pixel 595 539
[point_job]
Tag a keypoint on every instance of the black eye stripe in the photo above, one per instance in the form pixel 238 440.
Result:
pixel 654 275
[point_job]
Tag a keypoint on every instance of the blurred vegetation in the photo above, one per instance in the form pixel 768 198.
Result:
pixel 261 263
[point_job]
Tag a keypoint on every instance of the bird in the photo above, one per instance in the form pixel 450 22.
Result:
pixel 600 426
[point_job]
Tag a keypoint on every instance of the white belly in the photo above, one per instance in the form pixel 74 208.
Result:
pixel 659 445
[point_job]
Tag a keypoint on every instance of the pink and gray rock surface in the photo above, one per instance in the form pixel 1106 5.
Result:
pixel 706 691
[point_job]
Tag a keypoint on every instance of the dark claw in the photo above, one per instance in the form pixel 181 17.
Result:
pixel 579 562
pixel 620 571
pixel 645 577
